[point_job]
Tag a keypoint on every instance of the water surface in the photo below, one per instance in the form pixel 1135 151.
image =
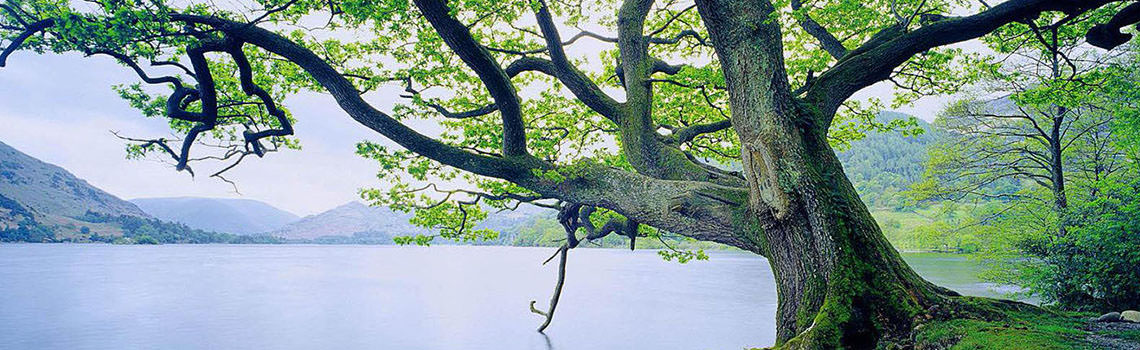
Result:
pixel 62 296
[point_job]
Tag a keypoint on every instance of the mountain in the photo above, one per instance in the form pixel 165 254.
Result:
pixel 355 222
pixel 885 163
pixel 40 202
pixel 50 190
pixel 348 220
pixel 237 216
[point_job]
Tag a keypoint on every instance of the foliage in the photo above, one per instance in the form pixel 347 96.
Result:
pixel 1093 267
pixel 392 43
pixel 27 230
pixel 1039 154
pixel 496 113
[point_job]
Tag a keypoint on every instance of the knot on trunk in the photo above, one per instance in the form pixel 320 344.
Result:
pixel 762 173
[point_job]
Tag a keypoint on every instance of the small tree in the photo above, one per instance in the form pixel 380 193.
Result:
pixel 1047 142
pixel 1046 118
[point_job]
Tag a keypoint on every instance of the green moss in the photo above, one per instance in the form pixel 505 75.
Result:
pixel 991 327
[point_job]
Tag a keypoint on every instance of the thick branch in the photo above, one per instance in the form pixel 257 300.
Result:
pixel 478 112
pixel 660 66
pixel 827 41
pixel 351 102
pixel 676 206
pixel 687 134
pixel 578 84
pixel 875 60
pixel 1108 36
pixel 459 39
pixel 245 75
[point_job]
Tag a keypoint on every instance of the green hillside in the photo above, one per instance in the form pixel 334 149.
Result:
pixel 884 164
pixel 40 202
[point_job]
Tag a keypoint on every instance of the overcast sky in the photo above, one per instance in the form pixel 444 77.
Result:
pixel 61 109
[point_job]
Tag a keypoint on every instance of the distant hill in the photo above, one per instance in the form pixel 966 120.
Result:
pixel 40 202
pixel 50 190
pixel 355 222
pixel 348 220
pixel 884 164
pixel 230 215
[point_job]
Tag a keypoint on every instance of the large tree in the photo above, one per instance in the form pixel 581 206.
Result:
pixel 699 85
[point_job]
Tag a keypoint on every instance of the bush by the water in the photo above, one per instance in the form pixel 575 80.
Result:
pixel 1096 265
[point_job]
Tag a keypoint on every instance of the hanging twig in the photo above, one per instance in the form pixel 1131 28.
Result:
pixel 549 313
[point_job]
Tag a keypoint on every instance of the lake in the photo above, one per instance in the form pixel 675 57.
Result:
pixel 71 296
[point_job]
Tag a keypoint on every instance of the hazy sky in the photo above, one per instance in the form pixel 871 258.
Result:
pixel 61 109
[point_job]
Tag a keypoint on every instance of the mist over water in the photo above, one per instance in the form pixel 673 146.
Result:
pixel 384 297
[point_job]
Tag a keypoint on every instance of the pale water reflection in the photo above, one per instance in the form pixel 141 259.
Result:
pixel 383 297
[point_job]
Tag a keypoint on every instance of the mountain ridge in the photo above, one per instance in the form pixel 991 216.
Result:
pixel 50 189
pixel 231 215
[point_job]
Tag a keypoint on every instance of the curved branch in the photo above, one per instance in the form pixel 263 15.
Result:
pixel 568 42
pixel 676 206
pixel 660 66
pixel 1108 35
pixel 478 112
pixel 878 57
pixel 687 33
pixel 124 59
pixel 575 81
pixel 688 133
pixel 245 76
pixel 459 39
pixel 32 29
pixel 349 99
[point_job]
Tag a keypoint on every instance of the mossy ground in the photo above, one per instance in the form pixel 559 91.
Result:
pixel 1023 328
pixel 990 324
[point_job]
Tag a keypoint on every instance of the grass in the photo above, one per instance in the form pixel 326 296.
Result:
pixel 904 228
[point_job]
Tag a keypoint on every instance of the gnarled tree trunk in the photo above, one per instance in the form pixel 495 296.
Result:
pixel 840 282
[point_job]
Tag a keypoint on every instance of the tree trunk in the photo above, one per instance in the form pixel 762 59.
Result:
pixel 840 283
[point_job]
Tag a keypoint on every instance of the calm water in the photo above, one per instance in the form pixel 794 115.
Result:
pixel 381 297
